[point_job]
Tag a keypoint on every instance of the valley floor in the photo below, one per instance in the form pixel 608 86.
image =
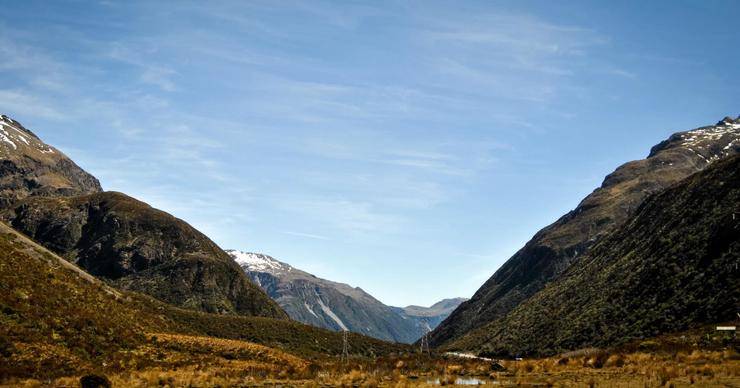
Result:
pixel 192 361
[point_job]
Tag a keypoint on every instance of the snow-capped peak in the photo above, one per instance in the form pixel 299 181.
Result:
pixel 256 262
pixel 714 142
pixel 13 135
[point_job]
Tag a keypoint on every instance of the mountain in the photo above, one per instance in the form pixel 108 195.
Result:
pixel 337 306
pixel 670 267
pixel 58 320
pixel 553 250
pixel 28 167
pixel 428 318
pixel 116 237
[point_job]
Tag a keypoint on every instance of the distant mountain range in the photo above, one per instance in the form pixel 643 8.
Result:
pixel 629 262
pixel 337 306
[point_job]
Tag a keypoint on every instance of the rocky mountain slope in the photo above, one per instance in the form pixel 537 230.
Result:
pixel 58 320
pixel 116 237
pixel 28 167
pixel 552 250
pixel 428 318
pixel 670 267
pixel 338 306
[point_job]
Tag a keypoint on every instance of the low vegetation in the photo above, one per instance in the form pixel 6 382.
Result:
pixel 183 361
pixel 561 245
pixel 56 320
pixel 58 324
pixel 670 268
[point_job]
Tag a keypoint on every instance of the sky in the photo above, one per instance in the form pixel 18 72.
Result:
pixel 405 147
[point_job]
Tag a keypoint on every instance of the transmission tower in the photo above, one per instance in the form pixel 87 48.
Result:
pixel 425 339
pixel 345 346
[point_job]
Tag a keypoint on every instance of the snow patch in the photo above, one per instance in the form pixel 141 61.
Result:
pixel 729 145
pixel 701 141
pixel 23 139
pixel 6 139
pixel 255 262
pixel 710 133
pixel 310 310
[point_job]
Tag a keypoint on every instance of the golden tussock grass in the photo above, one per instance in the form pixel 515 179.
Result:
pixel 254 365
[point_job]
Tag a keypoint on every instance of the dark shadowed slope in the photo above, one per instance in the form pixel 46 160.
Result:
pixel 552 250
pixel 670 267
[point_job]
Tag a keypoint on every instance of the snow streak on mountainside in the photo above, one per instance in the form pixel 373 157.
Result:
pixel 338 306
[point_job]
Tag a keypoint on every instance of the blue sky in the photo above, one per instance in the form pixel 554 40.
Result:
pixel 406 147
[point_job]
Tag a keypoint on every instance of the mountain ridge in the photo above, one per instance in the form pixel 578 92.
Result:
pixel 670 268
pixel 46 196
pixel 554 248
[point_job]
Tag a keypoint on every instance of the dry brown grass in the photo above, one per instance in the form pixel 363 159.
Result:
pixel 191 361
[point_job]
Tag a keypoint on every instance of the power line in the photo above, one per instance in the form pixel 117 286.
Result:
pixel 425 338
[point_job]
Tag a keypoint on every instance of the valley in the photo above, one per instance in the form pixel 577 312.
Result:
pixel 625 290
pixel 369 193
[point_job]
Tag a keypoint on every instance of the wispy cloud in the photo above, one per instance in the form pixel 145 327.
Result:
pixel 354 123
pixel 150 72
pixel 159 76
pixel 28 104
pixel 306 235
pixel 349 217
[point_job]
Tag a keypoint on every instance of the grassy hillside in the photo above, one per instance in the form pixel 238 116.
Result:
pixel 555 248
pixel 671 267
pixel 57 320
